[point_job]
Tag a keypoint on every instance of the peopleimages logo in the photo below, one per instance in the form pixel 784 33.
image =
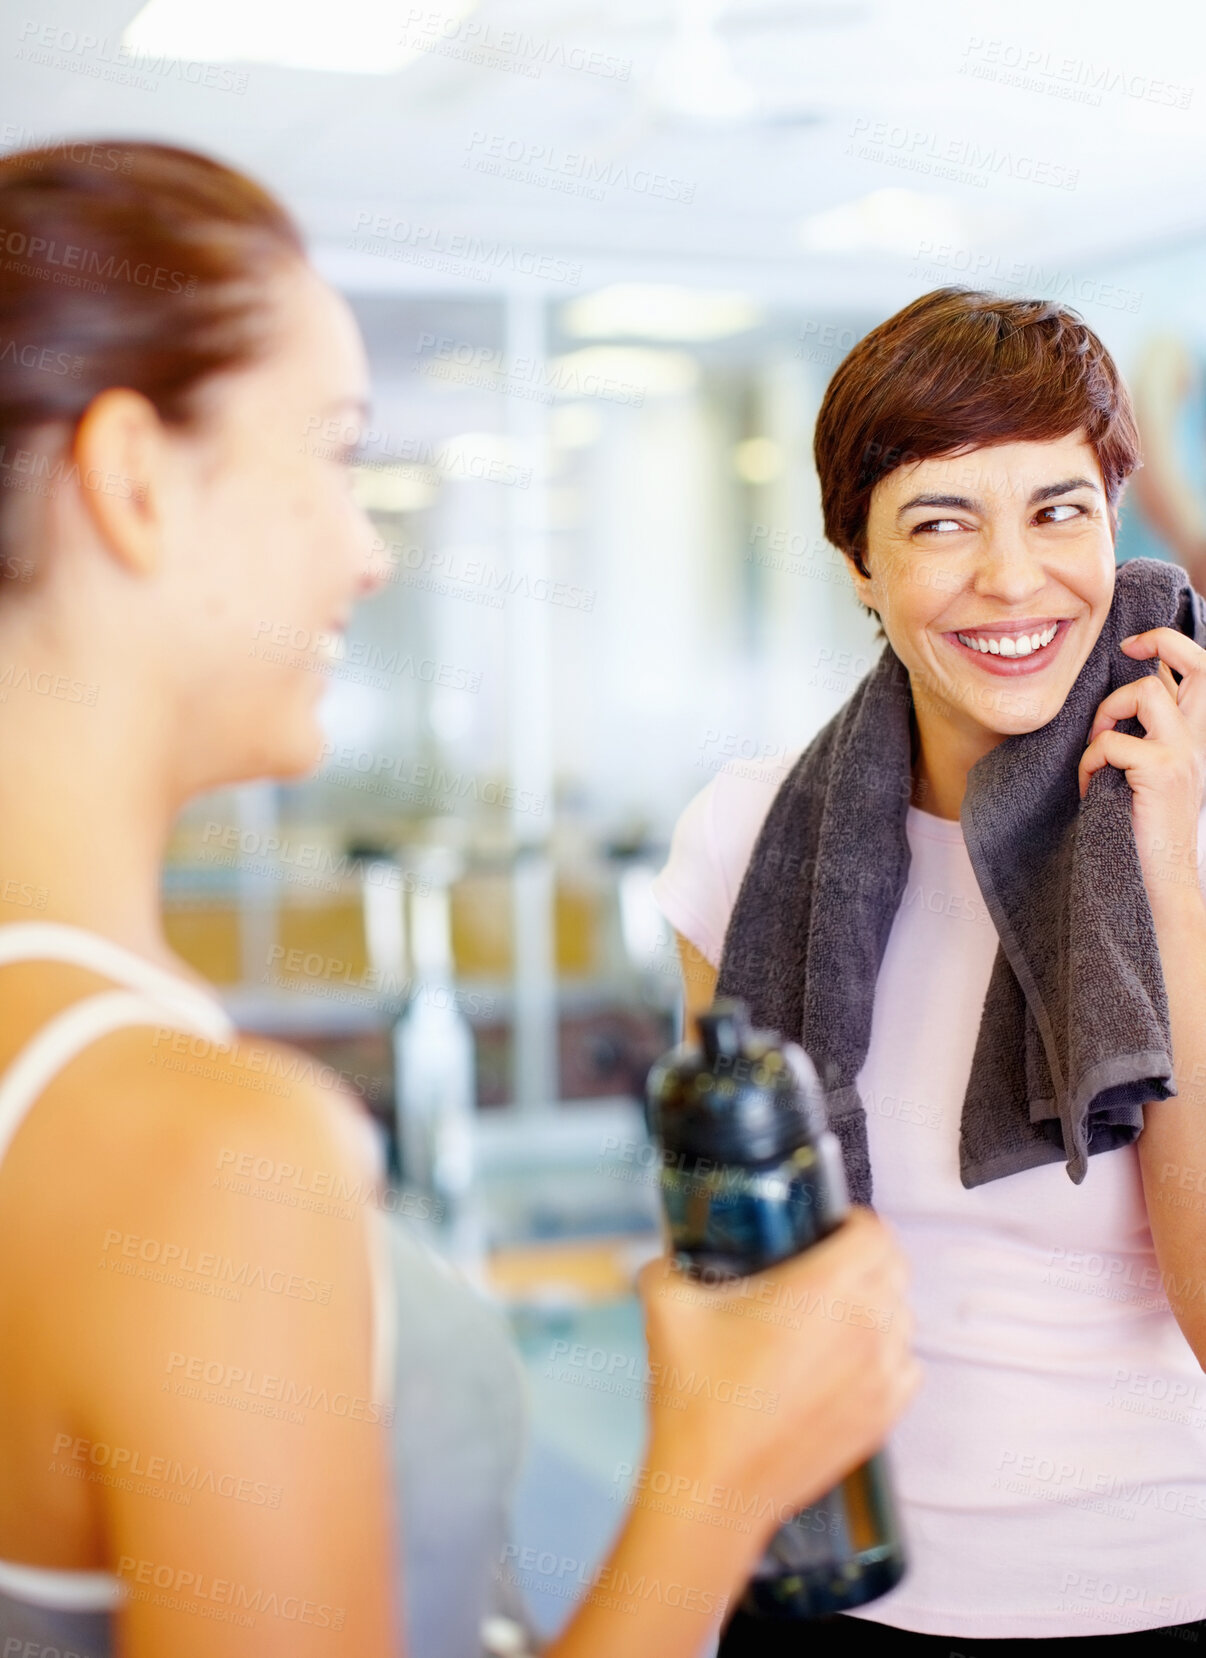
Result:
pixel 174 1263
pixel 229 1382
pixel 573 171
pixel 43 358
pixel 663 1378
pixel 127 1463
pixel 110 158
pixel 966 160
pixel 71 256
pixel 937 261
pixel 327 438
pixel 44 684
pixel 462 363
pixel 1081 80
pixel 475 40
pixel 612 1586
pixel 433 780
pixel 431 245
pixel 101 58
pixel 180 1588
pixel 448 570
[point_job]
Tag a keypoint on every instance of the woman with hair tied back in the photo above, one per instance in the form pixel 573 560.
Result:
pixel 172 354
pixel 975 898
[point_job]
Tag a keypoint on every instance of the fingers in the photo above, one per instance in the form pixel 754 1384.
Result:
pixel 830 1342
pixel 860 1252
pixel 1110 748
pixel 656 1279
pixel 857 1275
pixel 853 1416
pixel 1166 679
pixel 652 1276
pixel 862 1245
pixel 860 1260
pixel 859 1265
pixel 1151 700
pixel 1171 645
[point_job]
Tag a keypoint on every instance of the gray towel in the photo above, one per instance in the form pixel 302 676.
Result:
pixel 1074 1035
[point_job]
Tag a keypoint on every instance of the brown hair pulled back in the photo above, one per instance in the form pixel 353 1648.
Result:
pixel 128 264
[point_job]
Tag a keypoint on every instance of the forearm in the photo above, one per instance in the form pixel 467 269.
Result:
pixel 668 1583
pixel 1172 1147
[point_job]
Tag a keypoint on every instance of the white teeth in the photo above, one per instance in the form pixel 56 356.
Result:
pixel 1009 644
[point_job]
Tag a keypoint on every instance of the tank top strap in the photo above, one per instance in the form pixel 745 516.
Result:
pixel 57 941
pixel 68 1034
pixel 61 1591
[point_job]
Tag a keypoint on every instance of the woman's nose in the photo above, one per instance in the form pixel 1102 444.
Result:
pixel 1009 567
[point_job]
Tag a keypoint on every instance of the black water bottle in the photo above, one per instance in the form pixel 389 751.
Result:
pixel 751 1175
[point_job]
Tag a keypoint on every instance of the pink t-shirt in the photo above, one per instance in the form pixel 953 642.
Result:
pixel 1052 1467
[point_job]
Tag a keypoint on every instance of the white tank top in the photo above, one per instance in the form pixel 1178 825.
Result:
pixel 45 1600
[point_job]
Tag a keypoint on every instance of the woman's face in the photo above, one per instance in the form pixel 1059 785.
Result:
pixel 266 548
pixel 993 573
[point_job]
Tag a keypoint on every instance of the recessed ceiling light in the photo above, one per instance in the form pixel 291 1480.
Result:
pixel 758 460
pixel 659 311
pixel 574 425
pixel 389 489
pixel 624 374
pixel 886 221
pixel 359 37
pixel 476 456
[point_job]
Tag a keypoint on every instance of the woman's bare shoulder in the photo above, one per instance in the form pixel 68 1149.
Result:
pixel 186 1252
pixel 171 1097
pixel 162 1151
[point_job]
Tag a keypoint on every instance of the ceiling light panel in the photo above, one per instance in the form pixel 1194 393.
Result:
pixel 359 37
pixel 658 311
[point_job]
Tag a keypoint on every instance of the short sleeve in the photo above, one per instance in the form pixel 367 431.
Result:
pixel 710 849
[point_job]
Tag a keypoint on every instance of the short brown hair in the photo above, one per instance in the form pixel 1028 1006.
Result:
pixel 958 370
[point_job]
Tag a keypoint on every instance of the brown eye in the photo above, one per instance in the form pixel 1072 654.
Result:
pixel 1068 507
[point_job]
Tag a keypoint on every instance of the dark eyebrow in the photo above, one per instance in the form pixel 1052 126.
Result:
pixel 1050 491
pixel 962 502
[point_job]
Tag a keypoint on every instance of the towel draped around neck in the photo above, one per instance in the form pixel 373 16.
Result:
pixel 1074 1035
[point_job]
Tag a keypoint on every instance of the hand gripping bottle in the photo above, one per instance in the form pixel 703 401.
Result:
pixel 750 1175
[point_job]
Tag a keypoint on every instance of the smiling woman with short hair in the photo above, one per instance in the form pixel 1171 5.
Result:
pixel 974 898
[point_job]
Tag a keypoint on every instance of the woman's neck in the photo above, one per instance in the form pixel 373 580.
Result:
pixel 942 758
pixel 84 817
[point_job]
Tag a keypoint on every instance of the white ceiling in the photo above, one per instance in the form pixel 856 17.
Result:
pixel 824 78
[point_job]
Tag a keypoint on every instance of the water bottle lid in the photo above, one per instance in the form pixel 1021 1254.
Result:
pixel 722 1030
pixel 742 1096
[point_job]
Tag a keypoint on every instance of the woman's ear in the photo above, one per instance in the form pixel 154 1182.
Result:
pixel 863 587
pixel 118 456
pixel 858 575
